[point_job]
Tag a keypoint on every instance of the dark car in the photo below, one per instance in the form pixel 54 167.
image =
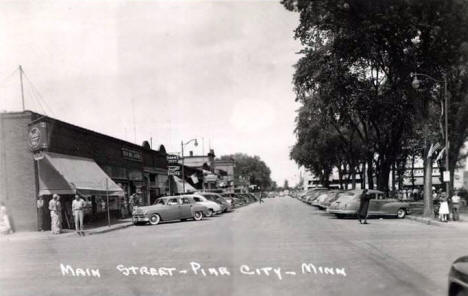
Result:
pixel 458 277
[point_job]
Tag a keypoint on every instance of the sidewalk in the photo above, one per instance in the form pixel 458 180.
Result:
pixel 461 224
pixel 47 235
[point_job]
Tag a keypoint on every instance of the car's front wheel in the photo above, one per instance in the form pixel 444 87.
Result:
pixel 210 213
pixel 198 216
pixel 401 213
pixel 154 219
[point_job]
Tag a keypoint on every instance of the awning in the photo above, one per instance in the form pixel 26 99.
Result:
pixel 64 174
pixel 180 186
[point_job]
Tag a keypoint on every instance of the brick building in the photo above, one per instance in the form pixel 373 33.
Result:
pixel 40 155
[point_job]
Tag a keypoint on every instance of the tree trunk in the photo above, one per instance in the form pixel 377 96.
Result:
pixel 428 207
pixel 370 173
pixel 383 177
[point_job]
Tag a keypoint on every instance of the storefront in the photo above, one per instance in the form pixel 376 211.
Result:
pixel 41 156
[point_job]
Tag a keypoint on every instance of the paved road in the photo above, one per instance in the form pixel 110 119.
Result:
pixel 386 257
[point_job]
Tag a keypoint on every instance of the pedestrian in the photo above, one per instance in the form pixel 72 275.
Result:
pixel 131 203
pixel 54 224
pixel 260 200
pixel 456 206
pixel 444 208
pixel 363 207
pixel 123 207
pixel 78 206
pixel 59 213
pixel 40 213
pixel 5 225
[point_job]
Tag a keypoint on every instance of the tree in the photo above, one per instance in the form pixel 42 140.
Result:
pixel 250 169
pixel 357 62
pixel 286 185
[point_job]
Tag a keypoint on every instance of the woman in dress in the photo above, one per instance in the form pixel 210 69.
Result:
pixel 443 209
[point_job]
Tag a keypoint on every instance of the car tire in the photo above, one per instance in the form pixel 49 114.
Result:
pixel 401 213
pixel 339 216
pixel 154 219
pixel 198 216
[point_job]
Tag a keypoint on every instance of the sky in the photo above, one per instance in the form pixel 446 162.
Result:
pixel 170 71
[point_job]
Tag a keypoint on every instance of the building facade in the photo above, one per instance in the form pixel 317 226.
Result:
pixel 40 156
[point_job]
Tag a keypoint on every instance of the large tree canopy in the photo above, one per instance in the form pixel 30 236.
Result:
pixel 250 169
pixel 354 77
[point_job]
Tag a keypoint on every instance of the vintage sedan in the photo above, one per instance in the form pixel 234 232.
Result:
pixel 458 277
pixel 348 205
pixel 169 208
pixel 225 205
pixel 213 207
pixel 332 195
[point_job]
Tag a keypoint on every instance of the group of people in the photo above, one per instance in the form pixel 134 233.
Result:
pixel 55 208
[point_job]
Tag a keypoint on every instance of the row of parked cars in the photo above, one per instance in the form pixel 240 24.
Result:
pixel 190 206
pixel 345 203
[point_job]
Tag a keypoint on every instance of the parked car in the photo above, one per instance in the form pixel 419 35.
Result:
pixel 313 195
pixel 348 205
pixel 213 207
pixel 236 200
pixel 320 198
pixel 332 195
pixel 169 208
pixel 225 205
pixel 458 277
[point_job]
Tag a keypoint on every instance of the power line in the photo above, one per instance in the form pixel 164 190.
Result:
pixel 40 98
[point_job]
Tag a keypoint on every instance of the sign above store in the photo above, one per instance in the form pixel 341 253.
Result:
pixel 173 170
pixel 172 159
pixel 37 136
pixel 132 154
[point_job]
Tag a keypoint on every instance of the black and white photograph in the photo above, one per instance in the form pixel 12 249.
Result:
pixel 233 147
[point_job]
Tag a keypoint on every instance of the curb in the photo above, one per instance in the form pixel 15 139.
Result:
pixel 109 229
pixel 430 221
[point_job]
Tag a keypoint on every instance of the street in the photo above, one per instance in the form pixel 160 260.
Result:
pixel 386 257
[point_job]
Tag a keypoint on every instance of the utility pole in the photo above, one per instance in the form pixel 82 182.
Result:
pixel 22 90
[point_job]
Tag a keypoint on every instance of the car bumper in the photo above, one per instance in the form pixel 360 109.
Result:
pixel 341 212
pixel 139 218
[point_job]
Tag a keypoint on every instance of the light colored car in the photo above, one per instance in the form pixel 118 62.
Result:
pixel 213 207
pixel 332 195
pixel 348 205
pixel 169 208
pixel 225 205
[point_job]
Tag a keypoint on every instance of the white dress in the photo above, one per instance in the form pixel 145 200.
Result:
pixel 444 209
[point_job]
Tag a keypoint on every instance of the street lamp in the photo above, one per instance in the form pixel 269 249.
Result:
pixel 182 144
pixel 416 83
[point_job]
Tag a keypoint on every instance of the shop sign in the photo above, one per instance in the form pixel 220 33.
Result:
pixel 172 159
pixel 173 170
pixel 132 154
pixel 37 136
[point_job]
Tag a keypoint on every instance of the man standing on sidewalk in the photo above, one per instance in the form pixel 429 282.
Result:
pixel 456 206
pixel 77 208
